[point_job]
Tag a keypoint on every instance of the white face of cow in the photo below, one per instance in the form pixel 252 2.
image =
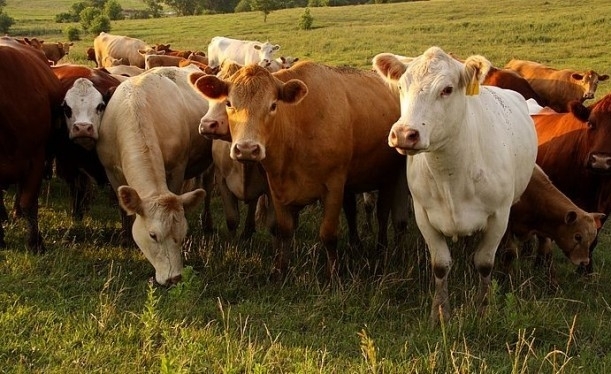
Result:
pixel 160 228
pixel 432 96
pixel 589 83
pixel 266 51
pixel 83 109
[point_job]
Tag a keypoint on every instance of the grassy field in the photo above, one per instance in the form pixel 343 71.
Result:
pixel 86 306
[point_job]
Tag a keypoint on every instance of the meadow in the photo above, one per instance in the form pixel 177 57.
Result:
pixel 85 306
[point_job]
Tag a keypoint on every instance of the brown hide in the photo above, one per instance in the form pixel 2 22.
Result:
pixel 30 101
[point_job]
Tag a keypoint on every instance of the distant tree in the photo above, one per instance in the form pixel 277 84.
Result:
pixel 154 7
pixel 99 24
pixel 306 20
pixel 6 22
pixel 88 15
pixel 243 6
pixel 185 7
pixel 73 33
pixel 265 6
pixel 113 10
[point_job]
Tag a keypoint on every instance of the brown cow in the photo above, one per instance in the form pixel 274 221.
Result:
pixel 315 138
pixel 56 51
pixel 91 55
pixel 27 83
pixel 575 152
pixel 545 211
pixel 558 87
pixel 153 61
pixel 165 48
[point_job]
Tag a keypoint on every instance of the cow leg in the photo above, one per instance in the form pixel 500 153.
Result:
pixel 3 212
pixel 384 204
pixel 441 262
pixel 332 206
pixel 80 193
pixel 249 224
pixel 28 192
pixel 282 232
pixel 369 202
pixel 205 217
pixel 485 254
pixel 545 259
pixel 350 212
pixel 400 209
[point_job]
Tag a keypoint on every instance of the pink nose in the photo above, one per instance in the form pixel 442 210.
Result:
pixel 247 151
pixel 402 137
pixel 81 129
pixel 208 126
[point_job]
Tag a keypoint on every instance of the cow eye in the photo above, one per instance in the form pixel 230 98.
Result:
pixel 153 236
pixel 228 103
pixel 447 91
pixel 67 110
pixel 578 237
pixel 101 107
pixel 590 124
pixel 273 107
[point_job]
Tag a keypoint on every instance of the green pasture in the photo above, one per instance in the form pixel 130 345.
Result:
pixel 85 306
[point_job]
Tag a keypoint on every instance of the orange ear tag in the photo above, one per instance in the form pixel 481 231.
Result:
pixel 473 86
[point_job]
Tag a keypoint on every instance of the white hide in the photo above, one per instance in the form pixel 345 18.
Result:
pixel 243 52
pixel 83 109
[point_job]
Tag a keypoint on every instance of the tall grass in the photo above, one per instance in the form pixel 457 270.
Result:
pixel 86 306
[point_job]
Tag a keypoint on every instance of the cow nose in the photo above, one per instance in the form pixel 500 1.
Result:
pixel 599 161
pixel 588 95
pixel 208 127
pixel 80 129
pixel 401 137
pixel 247 151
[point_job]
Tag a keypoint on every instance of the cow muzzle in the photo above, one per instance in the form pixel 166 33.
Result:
pixel 168 283
pixel 403 139
pixel 247 150
pixel 82 130
pixel 588 95
pixel 600 162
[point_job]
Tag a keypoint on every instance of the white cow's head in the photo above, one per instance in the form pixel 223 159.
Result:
pixel 266 51
pixel 433 89
pixel 83 108
pixel 160 228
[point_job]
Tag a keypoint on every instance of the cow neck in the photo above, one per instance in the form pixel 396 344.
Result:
pixel 280 148
pixel 143 164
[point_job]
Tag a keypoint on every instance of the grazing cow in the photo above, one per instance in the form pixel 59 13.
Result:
pixel 471 153
pixel 148 144
pixel 119 46
pixel 545 211
pixel 56 51
pixel 86 92
pixel 243 52
pixel 30 101
pixel 310 131
pixel 575 152
pixel 558 87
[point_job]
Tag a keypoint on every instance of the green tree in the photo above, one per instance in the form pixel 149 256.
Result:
pixel 243 6
pixel 154 6
pixel 99 24
pixel 87 16
pixel 6 22
pixel 265 6
pixel 306 20
pixel 185 7
pixel 113 10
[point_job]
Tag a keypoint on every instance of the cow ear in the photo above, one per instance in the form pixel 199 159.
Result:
pixel 129 200
pixel 108 94
pixel 293 91
pixel 570 217
pixel 580 111
pixel 192 199
pixel 603 77
pixel 276 47
pixel 193 77
pixel 212 87
pixel 599 218
pixel 476 69
pixel 389 67
pixel 257 47
pixel 577 76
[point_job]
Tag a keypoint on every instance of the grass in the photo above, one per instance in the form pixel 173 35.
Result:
pixel 86 306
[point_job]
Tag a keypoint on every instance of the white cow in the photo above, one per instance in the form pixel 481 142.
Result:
pixel 119 47
pixel 471 155
pixel 243 52
pixel 149 144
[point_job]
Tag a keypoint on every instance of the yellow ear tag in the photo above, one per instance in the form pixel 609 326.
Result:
pixel 473 86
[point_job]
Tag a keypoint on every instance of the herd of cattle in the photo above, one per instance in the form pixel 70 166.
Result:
pixel 506 152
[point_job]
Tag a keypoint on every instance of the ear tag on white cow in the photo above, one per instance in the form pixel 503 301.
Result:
pixel 473 86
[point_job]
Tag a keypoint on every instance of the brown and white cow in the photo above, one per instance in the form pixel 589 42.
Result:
pixel 575 152
pixel 86 92
pixel 311 131
pixel 471 152
pixel 558 87
pixel 30 101
pixel 543 210
pixel 119 46
pixel 149 144
pixel 56 51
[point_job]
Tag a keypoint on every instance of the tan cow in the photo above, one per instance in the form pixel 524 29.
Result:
pixel 118 46
pixel 545 211
pixel 317 131
pixel 56 51
pixel 149 144
pixel 152 61
pixel 558 87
